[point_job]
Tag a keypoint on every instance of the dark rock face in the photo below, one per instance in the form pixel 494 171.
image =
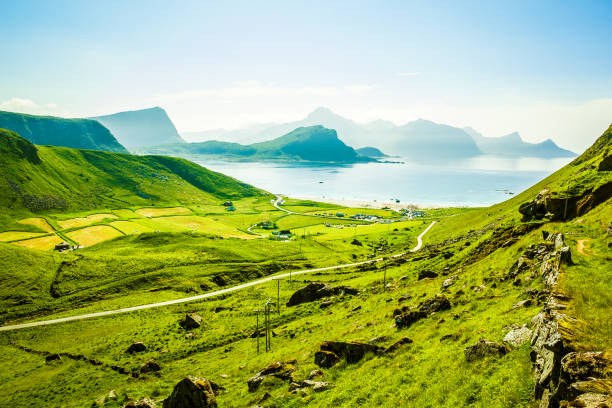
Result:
pixel 191 321
pixel 483 349
pixel 315 291
pixel 150 366
pixel 398 344
pixel 276 369
pixel 435 304
pixel 52 357
pixel 192 392
pixel 136 347
pixel 580 366
pixel 408 318
pixel 325 359
pixel 141 403
pixel 405 317
pixel 605 164
pixel 427 274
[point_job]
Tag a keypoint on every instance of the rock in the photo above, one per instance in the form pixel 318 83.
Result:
pixel 112 395
pixel 407 319
pixel 150 366
pixel 356 308
pixel 351 351
pixel 378 339
pixel 141 403
pixel 326 304
pixel 355 241
pixel 522 303
pixel 321 386
pixel 52 357
pixel 315 373
pixel 565 256
pixel 265 397
pixel 579 366
pixel 276 369
pixel 316 291
pixel 325 359
pixel 191 321
pixel 589 400
pixel 605 164
pixel 192 392
pixel 425 273
pixel 437 303
pixel 449 282
pixel 397 344
pixel 519 336
pixel 484 348
pixel 136 347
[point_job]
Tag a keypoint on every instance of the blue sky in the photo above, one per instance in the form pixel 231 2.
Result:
pixel 543 68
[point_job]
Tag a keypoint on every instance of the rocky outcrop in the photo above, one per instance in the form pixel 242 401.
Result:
pixel 193 392
pixel 150 366
pixel 276 369
pixel 191 321
pixel 560 370
pixel 316 386
pixel 554 207
pixel 518 336
pixel 447 283
pixel 426 273
pixel 484 348
pixel 314 291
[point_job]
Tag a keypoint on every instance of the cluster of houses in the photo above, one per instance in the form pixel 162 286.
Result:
pixel 229 206
pixel 365 217
pixel 65 246
pixel 282 235
pixel 412 213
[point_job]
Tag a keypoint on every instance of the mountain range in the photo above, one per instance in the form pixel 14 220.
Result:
pixel 418 140
pixel 145 127
pixel 311 143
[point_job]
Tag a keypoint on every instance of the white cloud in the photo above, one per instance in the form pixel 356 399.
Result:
pixel 408 74
pixel 24 105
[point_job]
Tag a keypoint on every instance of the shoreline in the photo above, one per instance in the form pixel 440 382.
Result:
pixel 355 203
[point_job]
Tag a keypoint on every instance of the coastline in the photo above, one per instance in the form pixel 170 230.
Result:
pixel 371 204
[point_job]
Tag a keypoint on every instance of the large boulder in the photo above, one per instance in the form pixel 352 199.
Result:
pixel 326 359
pixel 351 351
pixel 406 319
pixel 192 392
pixel 579 366
pixel 276 369
pixel 150 366
pixel 191 321
pixel 589 400
pixel 315 291
pixel 484 348
pixel 437 303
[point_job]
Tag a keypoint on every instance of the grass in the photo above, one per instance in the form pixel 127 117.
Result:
pixel 157 212
pixel 9 236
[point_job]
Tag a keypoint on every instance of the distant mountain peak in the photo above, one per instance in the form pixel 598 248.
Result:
pixel 321 113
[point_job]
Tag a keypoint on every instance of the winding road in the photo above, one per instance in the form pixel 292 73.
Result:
pixel 215 293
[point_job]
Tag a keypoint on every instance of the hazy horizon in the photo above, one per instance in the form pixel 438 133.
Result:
pixel 542 69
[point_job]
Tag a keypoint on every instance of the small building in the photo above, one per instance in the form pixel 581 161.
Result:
pixel 64 246
pixel 228 204
pixel 285 232
pixel 231 208
pixel 339 214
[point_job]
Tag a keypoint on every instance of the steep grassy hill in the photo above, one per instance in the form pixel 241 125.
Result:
pixel 312 144
pixel 44 178
pixel 54 131
pixel 145 127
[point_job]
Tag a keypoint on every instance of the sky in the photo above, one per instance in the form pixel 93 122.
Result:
pixel 543 68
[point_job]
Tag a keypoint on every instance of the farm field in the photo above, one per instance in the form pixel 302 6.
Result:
pixel 8 236
pixel 40 223
pixel 43 243
pixel 89 236
pixel 83 221
pixel 157 212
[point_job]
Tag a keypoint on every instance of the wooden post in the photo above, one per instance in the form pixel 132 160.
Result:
pixel 257 330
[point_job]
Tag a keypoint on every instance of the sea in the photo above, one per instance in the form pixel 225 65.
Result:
pixel 474 182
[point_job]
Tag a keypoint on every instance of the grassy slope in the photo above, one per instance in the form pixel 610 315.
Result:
pixel 430 372
pixel 55 131
pixel 64 179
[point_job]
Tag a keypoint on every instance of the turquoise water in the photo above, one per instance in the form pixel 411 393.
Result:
pixel 473 182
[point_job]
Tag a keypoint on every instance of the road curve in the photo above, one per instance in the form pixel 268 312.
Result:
pixel 206 295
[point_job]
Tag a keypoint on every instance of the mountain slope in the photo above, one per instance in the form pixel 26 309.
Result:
pixel 146 127
pixel 55 131
pixel 44 178
pixel 512 145
pixel 313 143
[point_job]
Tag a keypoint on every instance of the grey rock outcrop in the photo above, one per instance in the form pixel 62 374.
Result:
pixel 484 348
pixel 315 291
pixel 193 392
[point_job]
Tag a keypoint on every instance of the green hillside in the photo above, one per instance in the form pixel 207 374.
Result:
pixel 55 131
pixel 44 178
pixel 145 127
pixel 310 144
pixel 502 307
